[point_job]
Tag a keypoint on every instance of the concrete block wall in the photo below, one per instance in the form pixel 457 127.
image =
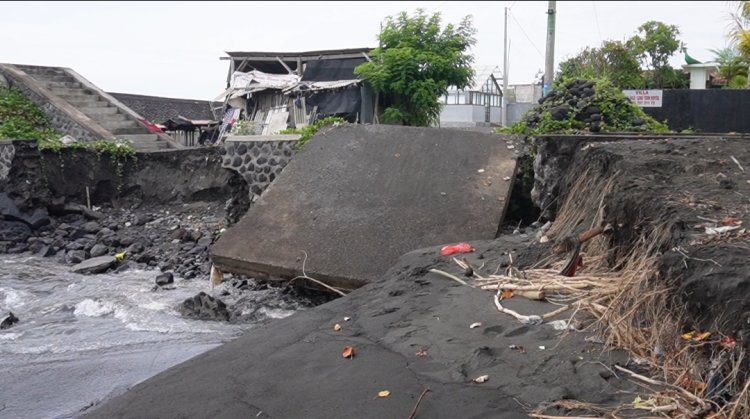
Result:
pixel 258 161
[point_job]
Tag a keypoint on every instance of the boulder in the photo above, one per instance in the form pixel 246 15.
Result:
pixel 204 307
pixel 38 219
pixel 8 208
pixel 8 321
pixel 14 231
pixel 165 278
pixel 142 219
pixel 98 250
pixel 46 251
pixel 91 227
pixel 95 265
pixel 75 256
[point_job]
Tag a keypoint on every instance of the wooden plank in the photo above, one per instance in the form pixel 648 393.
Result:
pixel 284 64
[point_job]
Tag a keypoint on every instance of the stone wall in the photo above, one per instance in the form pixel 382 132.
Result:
pixel 24 182
pixel 7 151
pixel 258 161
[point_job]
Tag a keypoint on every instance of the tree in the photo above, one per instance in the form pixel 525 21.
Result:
pixel 732 67
pixel 612 60
pixel 415 64
pixel 654 44
pixel 740 32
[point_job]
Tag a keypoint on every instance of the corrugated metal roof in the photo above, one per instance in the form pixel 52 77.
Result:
pixel 482 73
pixel 298 54
pixel 312 86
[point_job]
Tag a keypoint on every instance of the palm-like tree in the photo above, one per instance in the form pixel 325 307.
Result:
pixel 740 32
pixel 732 66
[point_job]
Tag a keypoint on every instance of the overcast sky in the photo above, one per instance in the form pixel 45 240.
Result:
pixel 172 48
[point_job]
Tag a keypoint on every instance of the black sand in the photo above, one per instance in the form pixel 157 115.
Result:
pixel 293 368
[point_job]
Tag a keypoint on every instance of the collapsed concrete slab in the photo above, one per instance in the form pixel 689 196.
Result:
pixel 357 197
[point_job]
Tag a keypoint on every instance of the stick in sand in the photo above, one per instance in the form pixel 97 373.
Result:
pixel 416 406
pixel 304 276
pixel 447 275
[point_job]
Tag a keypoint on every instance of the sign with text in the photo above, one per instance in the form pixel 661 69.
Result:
pixel 645 98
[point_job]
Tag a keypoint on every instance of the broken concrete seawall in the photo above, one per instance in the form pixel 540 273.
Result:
pixel 357 197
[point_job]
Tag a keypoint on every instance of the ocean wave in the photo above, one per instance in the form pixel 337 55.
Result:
pixel 93 308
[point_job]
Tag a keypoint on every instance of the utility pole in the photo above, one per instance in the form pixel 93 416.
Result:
pixel 549 66
pixel 504 110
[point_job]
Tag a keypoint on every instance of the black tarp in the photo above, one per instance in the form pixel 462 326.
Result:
pixel 345 102
pixel 331 70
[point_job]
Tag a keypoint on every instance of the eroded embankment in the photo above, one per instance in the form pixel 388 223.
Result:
pixel 678 249
pixel 161 209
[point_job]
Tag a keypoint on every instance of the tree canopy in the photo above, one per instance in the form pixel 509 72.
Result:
pixel 416 62
pixel 740 32
pixel 612 60
pixel 654 44
pixel 623 63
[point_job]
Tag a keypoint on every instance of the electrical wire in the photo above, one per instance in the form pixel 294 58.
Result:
pixel 527 36
pixel 596 18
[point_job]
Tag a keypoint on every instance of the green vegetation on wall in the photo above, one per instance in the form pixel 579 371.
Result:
pixel 309 131
pixel 22 119
pixel 585 106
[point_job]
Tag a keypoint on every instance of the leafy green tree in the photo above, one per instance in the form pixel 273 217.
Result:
pixel 416 63
pixel 654 44
pixel 613 60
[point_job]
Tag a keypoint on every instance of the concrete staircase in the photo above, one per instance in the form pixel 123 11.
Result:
pixel 101 109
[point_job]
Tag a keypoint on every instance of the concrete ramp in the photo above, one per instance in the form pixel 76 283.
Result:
pixel 358 197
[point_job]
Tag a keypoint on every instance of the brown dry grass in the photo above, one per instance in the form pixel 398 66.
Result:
pixel 636 310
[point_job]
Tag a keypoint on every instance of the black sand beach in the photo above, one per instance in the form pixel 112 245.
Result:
pixel 294 368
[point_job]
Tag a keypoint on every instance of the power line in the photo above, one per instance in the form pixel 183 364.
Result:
pixel 596 16
pixel 527 36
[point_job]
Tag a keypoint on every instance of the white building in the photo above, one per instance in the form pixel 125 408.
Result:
pixel 477 105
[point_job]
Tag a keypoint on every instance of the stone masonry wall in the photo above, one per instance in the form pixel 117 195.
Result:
pixel 258 162
pixel 7 151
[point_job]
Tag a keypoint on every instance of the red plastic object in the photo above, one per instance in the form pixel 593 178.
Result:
pixel 456 248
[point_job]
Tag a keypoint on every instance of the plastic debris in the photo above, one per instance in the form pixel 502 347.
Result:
pixel 384 393
pixel 720 230
pixel 337 327
pixel 559 324
pixel 728 342
pixel 695 336
pixel 481 379
pixel 456 248
pixel 348 352
pixel 475 325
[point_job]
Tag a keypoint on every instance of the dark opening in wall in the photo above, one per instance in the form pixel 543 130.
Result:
pixel 521 209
